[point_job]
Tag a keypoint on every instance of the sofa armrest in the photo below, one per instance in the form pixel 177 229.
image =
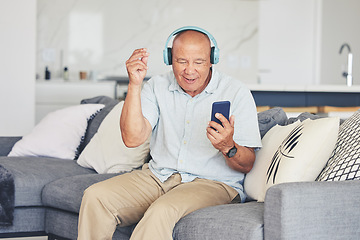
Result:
pixel 319 210
pixel 6 144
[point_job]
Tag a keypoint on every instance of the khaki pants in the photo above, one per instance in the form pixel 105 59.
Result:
pixel 139 196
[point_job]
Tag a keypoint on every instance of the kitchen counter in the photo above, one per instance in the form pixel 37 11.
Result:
pixel 55 94
pixel 305 96
pixel 302 88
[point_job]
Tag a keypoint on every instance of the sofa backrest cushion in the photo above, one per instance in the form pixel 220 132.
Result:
pixel 6 144
pixel 269 118
pixel 95 122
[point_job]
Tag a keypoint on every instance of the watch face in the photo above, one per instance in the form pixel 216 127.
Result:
pixel 232 152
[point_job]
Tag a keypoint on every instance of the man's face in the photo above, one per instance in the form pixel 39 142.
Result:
pixel 191 62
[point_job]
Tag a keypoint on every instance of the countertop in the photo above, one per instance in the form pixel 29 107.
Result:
pixel 303 88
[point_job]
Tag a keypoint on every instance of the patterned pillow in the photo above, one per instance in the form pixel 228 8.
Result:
pixel 344 163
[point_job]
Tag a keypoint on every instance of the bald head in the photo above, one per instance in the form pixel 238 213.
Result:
pixel 192 38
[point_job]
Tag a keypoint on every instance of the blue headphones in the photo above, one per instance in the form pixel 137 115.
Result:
pixel 214 56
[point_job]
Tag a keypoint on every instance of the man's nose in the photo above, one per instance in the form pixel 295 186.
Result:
pixel 190 68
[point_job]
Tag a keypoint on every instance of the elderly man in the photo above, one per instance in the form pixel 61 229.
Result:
pixel 195 162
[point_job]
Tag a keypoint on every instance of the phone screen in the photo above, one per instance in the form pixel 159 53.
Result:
pixel 222 107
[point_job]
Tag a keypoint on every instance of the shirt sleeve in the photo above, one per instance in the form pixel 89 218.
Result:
pixel 246 123
pixel 149 103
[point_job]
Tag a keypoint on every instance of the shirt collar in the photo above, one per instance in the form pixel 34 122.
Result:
pixel 174 85
pixel 214 82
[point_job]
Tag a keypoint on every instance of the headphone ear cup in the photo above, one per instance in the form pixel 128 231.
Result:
pixel 214 55
pixel 169 56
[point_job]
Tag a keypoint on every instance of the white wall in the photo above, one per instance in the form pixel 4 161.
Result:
pixel 17 66
pixel 287 42
pixel 97 35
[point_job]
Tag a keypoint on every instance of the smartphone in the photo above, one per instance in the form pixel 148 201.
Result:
pixel 222 107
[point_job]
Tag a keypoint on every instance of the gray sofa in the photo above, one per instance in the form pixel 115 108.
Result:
pixel 48 194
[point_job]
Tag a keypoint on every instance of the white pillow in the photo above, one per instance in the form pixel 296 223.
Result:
pixel 255 179
pixel 302 154
pixel 107 153
pixel 58 134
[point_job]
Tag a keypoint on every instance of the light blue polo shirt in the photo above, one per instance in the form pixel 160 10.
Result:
pixel 179 143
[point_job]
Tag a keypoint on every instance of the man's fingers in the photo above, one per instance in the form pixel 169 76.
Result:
pixel 136 65
pixel 138 60
pixel 232 120
pixel 222 119
pixel 214 126
pixel 145 60
pixel 139 54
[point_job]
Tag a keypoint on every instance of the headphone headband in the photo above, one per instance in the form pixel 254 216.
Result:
pixel 214 57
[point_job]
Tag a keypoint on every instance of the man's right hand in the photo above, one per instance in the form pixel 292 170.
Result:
pixel 135 129
pixel 136 66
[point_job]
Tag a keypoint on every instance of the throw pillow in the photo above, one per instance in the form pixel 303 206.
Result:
pixel 344 163
pixel 302 154
pixel 58 134
pixel 255 180
pixel 107 153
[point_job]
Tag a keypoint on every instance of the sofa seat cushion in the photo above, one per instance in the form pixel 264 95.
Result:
pixel 66 193
pixel 31 174
pixel 64 225
pixel 232 221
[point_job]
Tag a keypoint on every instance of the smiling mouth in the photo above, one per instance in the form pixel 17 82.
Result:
pixel 190 80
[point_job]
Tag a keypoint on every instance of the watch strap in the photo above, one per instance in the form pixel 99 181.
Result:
pixel 231 152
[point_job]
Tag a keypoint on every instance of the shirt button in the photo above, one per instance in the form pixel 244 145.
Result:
pixel 181 161
pixel 187 121
pixel 184 142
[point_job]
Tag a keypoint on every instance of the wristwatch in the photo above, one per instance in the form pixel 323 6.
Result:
pixel 231 152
